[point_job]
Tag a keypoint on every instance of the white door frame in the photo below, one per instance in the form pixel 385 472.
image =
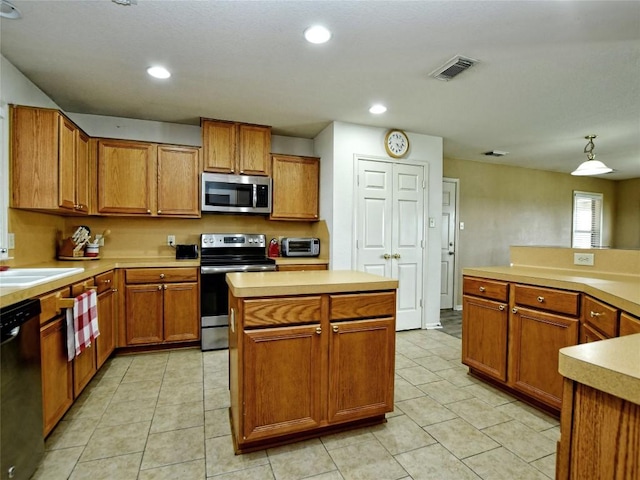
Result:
pixel 425 223
pixel 456 265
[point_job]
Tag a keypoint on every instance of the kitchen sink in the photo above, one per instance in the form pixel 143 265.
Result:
pixel 28 277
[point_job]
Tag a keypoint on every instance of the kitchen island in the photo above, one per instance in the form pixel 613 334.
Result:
pixel 310 353
pixel 601 410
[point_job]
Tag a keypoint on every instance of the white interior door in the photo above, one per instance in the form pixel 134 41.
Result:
pixel 448 248
pixel 390 231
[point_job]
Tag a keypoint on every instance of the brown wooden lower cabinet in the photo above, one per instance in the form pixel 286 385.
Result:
pixel 600 435
pixel 165 311
pixel 484 343
pixel 304 372
pixel 536 339
pixel 57 373
pixel 301 267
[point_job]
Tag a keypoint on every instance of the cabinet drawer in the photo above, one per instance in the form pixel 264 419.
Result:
pixel 281 311
pixel 155 275
pixel 481 287
pixel 362 305
pixel 81 287
pixel 105 281
pixel 601 316
pixel 628 324
pixel 549 299
pixel 49 304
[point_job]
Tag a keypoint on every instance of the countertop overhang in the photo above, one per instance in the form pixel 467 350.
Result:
pixel 611 366
pixel 271 284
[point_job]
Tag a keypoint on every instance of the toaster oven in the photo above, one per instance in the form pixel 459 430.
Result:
pixel 300 247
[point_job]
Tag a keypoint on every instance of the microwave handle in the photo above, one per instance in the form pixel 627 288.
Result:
pixel 255 195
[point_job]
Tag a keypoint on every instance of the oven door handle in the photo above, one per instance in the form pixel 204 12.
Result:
pixel 236 268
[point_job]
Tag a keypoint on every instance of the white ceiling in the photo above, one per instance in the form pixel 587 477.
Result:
pixel 550 72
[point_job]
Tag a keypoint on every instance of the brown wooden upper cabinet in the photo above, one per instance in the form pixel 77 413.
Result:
pixel 296 187
pixel 238 148
pixel 139 178
pixel 49 162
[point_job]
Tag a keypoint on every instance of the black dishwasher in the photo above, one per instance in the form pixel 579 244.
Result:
pixel 21 440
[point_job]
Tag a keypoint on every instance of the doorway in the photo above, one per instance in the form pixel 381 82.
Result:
pixel 390 236
pixel 449 243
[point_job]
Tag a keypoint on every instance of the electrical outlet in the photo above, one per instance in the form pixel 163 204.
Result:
pixel 171 240
pixel 583 259
pixel 11 241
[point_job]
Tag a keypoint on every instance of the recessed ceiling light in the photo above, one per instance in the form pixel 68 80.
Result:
pixel 8 10
pixel 158 72
pixel 377 109
pixel 317 34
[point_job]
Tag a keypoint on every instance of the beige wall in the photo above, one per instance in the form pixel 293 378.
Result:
pixel 36 233
pixel 627 229
pixel 503 206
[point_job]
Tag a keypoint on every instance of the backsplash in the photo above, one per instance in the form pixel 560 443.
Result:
pixel 36 233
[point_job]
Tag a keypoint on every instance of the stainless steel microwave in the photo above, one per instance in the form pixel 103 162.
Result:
pixel 236 193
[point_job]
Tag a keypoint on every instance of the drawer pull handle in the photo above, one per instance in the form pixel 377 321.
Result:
pixel 318 330
pixel 514 310
pixel 482 289
pixel 595 314
pixel 501 308
pixel 162 275
pixel 106 281
pixel 335 329
pixel 540 299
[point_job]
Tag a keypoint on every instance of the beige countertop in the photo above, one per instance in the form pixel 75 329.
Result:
pixel 10 295
pixel 612 366
pixel 621 291
pixel 268 284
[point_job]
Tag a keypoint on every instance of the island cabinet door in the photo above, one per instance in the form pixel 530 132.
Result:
pixel 282 381
pixel 361 369
pixel 536 339
pixel 484 343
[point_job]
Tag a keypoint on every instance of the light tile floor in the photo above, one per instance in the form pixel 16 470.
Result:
pixel 165 416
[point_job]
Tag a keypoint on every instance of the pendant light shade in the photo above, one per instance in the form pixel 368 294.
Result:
pixel 591 166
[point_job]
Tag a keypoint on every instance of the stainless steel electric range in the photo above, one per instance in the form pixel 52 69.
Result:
pixel 221 253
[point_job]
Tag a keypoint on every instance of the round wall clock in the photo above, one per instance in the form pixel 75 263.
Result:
pixel 396 143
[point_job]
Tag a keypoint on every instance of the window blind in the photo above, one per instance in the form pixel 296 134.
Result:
pixel 587 219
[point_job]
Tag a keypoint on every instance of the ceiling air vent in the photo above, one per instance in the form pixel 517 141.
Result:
pixel 453 67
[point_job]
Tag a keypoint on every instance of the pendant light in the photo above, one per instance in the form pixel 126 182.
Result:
pixel 591 166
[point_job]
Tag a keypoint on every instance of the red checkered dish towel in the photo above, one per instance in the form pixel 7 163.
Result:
pixel 85 322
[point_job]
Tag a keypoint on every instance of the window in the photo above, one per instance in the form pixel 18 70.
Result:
pixel 587 220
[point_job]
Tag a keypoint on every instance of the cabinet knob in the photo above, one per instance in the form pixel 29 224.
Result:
pixel 386 256
pixel 514 310
pixel 335 329
pixel 540 299
pixel 108 280
pixel 159 287
pixel 159 212
pixel 595 314
pixel 114 290
pixel 318 330
pixel 162 275
pixel 164 286
pixel 501 308
pixel 148 211
pixel 482 289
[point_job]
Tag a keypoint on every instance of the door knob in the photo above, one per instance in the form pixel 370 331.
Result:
pixel 386 256
pixel 451 253
pixel 396 256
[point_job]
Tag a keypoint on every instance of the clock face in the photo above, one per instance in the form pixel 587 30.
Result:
pixel 396 143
